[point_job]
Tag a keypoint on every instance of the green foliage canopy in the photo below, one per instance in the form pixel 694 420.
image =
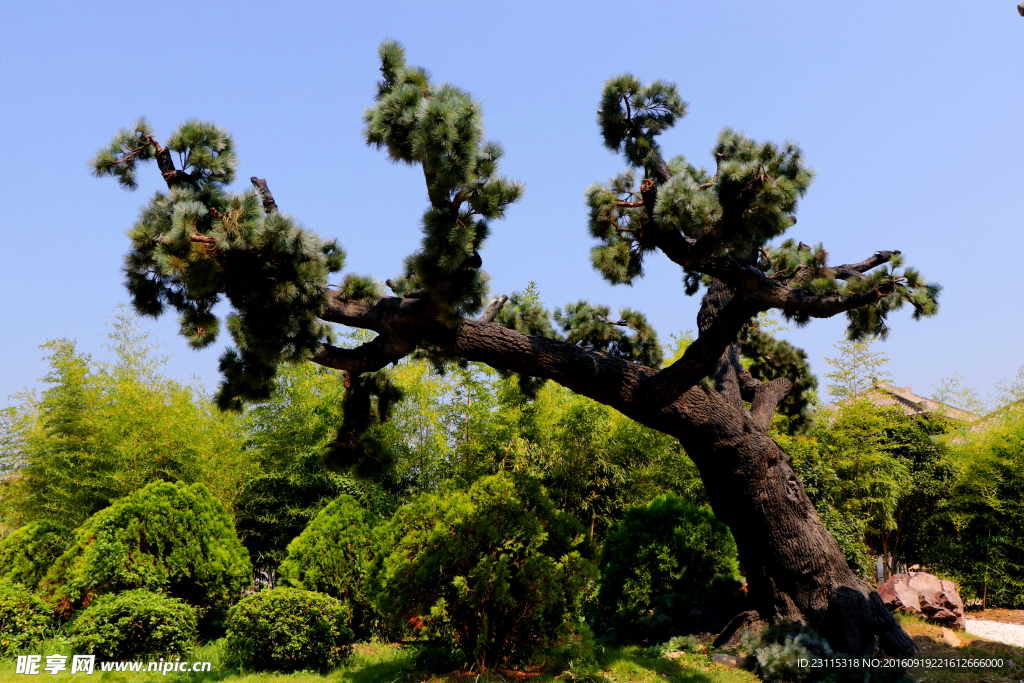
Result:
pixel 333 555
pixel 24 618
pixel 27 554
pixel 658 563
pixel 165 537
pixel 103 430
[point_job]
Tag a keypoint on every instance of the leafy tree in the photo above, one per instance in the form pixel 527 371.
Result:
pixel 285 629
pixel 982 543
pixel 333 556
pixel 26 554
pixel 25 619
pixel 879 478
pixel 955 391
pixel 197 243
pixel 103 430
pixel 855 369
pixel 496 567
pixel 166 538
pixel 594 462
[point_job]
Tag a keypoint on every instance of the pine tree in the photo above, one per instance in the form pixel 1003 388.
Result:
pixel 198 242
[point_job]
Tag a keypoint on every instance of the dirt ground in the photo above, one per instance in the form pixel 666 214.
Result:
pixel 1003 616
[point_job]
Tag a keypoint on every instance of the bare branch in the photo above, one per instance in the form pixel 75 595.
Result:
pixel 269 205
pixel 857 270
pixel 492 310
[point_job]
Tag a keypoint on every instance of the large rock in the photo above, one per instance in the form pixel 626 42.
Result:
pixel 926 595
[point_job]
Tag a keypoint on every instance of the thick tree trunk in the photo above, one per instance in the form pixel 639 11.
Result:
pixel 795 569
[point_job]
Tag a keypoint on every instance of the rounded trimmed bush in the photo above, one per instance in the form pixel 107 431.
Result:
pixel 286 629
pixel 333 556
pixel 497 568
pixel 170 538
pixel 133 624
pixel 24 618
pixel 659 563
pixel 28 553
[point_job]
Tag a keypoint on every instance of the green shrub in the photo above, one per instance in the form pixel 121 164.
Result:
pixel 167 538
pixel 24 618
pixel 497 569
pixel 286 629
pixel 28 553
pixel 332 556
pixel 133 624
pixel 659 564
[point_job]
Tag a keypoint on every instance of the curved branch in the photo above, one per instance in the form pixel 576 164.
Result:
pixel 368 357
pixel 746 278
pixel 602 377
pixel 857 270
pixel 764 397
pixel 701 356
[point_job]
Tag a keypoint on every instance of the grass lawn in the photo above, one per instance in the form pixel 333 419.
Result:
pixel 388 663
pixel 385 663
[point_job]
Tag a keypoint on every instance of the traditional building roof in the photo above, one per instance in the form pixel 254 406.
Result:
pixel 884 394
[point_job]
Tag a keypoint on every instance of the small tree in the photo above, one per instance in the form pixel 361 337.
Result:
pixel 288 435
pixel 101 430
pixel 166 538
pixel 856 368
pixel 497 567
pixel 24 618
pixel 288 630
pixel 27 554
pixel 333 555
pixel 135 623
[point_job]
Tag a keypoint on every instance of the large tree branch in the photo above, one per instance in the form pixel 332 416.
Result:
pixel 764 397
pixel 371 356
pixel 745 278
pixel 701 356
pixel 602 377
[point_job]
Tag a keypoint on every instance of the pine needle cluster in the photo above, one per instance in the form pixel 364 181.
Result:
pixel 807 268
pixel 631 337
pixel 440 128
pixel 198 243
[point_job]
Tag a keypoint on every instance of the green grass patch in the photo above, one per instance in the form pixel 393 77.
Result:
pixel 389 663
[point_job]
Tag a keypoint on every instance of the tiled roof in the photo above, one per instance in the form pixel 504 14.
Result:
pixel 885 394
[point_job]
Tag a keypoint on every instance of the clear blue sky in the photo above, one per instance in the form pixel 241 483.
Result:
pixel 911 112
